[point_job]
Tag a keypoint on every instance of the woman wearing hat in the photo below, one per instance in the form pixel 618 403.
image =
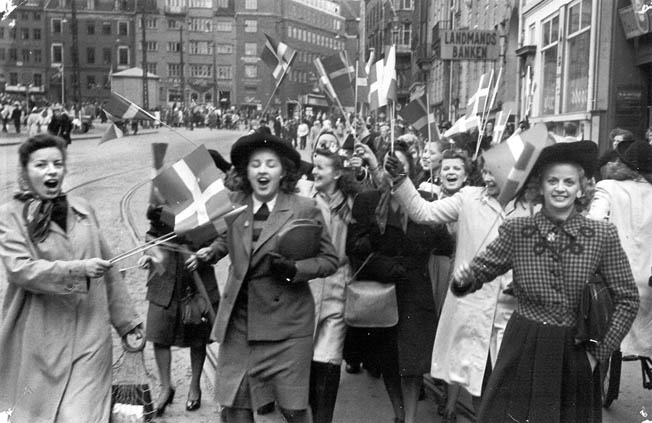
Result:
pixel 624 200
pixel 265 321
pixel 542 374
pixel 61 297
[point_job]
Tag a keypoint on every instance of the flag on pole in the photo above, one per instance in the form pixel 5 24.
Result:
pixel 278 56
pixel 499 126
pixel 361 82
pixel 196 201
pixel 463 124
pixel 495 90
pixel 479 98
pixel 512 161
pixel 111 133
pixel 416 114
pixel 339 73
pixel 382 81
pixel 389 75
pixel 122 108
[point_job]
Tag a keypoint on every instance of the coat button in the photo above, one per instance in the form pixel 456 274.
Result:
pixel 277 299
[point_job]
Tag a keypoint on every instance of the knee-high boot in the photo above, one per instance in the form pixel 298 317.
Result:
pixel 324 383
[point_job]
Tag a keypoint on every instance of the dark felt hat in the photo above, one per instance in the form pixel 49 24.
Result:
pixel 245 146
pixel 611 155
pixel 219 161
pixel 582 153
pixel 637 155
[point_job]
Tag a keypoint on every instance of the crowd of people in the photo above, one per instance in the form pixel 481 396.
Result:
pixel 487 291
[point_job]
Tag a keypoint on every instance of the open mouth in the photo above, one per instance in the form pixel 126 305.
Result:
pixel 451 178
pixel 51 183
pixel 263 181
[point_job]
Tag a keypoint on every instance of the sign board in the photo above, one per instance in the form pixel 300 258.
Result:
pixel 468 44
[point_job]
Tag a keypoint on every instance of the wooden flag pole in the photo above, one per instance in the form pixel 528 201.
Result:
pixel 355 92
pixel 484 116
pixel 392 111
pixel 278 84
pixel 432 173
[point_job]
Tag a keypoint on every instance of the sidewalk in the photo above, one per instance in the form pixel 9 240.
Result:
pixel 11 138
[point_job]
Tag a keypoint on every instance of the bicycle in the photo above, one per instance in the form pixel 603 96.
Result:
pixel 611 377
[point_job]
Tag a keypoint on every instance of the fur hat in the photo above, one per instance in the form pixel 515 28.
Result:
pixel 582 153
pixel 636 155
pixel 245 146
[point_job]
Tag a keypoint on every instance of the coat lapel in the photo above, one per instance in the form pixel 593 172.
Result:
pixel 242 228
pixel 279 216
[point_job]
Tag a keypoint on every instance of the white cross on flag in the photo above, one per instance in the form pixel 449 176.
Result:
pixel 478 101
pixel 278 56
pixel 196 200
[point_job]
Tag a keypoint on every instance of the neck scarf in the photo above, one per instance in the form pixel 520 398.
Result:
pixel 382 212
pixel 38 213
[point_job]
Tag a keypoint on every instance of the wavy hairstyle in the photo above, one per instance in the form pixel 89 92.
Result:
pixel 347 183
pixel 240 182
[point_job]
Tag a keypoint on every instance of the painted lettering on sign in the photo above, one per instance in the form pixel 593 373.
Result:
pixel 468 44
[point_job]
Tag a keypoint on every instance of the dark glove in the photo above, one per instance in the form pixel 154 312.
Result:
pixel 394 167
pixel 283 267
pixel 461 288
pixel 154 213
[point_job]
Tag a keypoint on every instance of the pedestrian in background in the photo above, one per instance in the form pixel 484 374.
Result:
pixel 62 296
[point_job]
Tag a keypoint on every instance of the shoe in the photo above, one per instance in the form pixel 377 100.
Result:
pixel 192 405
pixel 353 368
pixel 160 410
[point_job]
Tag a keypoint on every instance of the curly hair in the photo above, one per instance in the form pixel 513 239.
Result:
pixel 458 153
pixel 38 142
pixel 532 190
pixel 347 182
pixel 238 181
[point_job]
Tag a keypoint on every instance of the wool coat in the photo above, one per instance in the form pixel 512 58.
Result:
pixel 472 327
pixel 626 204
pixel 55 331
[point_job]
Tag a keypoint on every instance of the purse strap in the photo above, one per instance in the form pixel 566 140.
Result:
pixel 364 263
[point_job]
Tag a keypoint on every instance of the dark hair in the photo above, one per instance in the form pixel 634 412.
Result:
pixel 347 183
pixel 458 153
pixel 38 142
pixel 288 184
pixel 403 148
pixel 626 134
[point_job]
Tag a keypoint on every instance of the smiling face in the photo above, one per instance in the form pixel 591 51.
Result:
pixel 490 182
pixel 452 174
pixel 431 158
pixel 560 186
pixel 45 170
pixel 264 172
pixel 325 174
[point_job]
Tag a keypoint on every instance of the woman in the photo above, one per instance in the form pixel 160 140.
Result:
pixel 542 374
pixel 624 199
pixel 267 311
pixel 168 283
pixel 62 292
pixel 334 189
pixel 400 250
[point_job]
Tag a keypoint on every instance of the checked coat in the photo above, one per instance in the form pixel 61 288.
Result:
pixel 551 262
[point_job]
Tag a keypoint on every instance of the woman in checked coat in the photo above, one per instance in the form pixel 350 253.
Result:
pixel 544 372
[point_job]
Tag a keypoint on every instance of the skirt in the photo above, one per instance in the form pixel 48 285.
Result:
pixel 255 373
pixel 541 376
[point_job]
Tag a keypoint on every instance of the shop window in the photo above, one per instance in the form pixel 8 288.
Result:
pixel 578 42
pixel 549 51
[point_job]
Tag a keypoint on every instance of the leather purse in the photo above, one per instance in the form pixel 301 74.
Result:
pixel 194 309
pixel 594 315
pixel 370 304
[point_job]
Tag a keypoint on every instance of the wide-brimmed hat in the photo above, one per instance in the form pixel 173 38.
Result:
pixel 637 155
pixel 611 155
pixel 245 146
pixel 582 153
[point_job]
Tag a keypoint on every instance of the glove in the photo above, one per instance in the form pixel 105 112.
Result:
pixel 394 167
pixel 460 288
pixel 283 267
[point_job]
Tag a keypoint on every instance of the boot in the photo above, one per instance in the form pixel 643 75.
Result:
pixel 324 383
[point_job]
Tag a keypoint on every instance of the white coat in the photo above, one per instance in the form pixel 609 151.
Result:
pixel 471 327
pixel 627 204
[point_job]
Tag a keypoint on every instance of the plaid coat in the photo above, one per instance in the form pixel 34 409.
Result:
pixel 551 263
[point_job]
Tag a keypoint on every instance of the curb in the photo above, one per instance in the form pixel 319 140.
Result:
pixel 83 137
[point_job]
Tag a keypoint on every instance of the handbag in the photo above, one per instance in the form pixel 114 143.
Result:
pixel 131 395
pixel 594 315
pixel 194 309
pixel 370 304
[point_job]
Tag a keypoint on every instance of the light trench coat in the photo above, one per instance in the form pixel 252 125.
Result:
pixel 470 328
pixel 329 292
pixel 55 327
pixel 628 205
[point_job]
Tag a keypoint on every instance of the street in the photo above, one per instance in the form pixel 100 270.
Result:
pixel 128 162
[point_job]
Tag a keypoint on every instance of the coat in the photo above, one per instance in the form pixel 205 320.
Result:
pixel 626 204
pixel 55 337
pixel 277 310
pixel 472 327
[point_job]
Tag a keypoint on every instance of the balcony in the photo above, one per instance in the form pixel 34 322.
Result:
pixel 175 10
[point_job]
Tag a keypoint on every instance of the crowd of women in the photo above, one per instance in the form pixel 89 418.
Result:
pixel 405 213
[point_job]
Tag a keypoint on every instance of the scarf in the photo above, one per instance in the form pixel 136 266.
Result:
pixel 382 212
pixel 38 213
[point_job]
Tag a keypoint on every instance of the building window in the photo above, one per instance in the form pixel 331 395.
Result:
pixel 106 28
pixel 123 28
pixel 224 72
pixel 224 26
pixel 56 26
pixel 251 25
pixel 13 78
pixel 24 16
pixel 201 47
pixel 57 53
pixel 204 4
pixel 222 3
pixel 123 56
pixel 38 57
pixel 201 25
pixel 90 81
pixel 172 24
pixel 251 4
pixel 224 49
pixel 151 68
pixel 25 54
pixel 90 28
pixel 152 46
pixel 251 71
pixel 251 49
pixel 37 33
pixel 201 71
pixel 12 33
pixel 149 23
pixel 24 33
pixel 2 54
pixel 37 79
pixel 106 56
pixel 173 46
pixel 90 55
pixel 406 39
pixel 549 48
pixel 2 33
pixel 37 16
pixel 578 42
pixel 174 69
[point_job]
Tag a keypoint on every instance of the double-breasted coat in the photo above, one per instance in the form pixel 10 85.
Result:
pixel 470 327
pixel 626 204
pixel 55 331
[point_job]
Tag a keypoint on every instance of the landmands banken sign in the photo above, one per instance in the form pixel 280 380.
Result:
pixel 469 44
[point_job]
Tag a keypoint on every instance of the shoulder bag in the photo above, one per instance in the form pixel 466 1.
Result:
pixel 594 315
pixel 370 304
